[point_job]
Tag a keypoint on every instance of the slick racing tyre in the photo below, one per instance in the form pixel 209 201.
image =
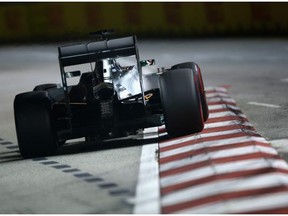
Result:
pixel 197 71
pixel 44 87
pixel 34 124
pixel 181 102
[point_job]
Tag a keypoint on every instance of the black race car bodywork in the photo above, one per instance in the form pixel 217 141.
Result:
pixel 111 98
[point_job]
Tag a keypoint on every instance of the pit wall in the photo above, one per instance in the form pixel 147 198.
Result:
pixel 59 20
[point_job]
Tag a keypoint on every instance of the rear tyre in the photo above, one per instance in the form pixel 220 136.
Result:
pixel 181 102
pixel 197 71
pixel 34 124
pixel 44 87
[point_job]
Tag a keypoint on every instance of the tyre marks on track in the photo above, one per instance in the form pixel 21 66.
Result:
pixel 8 145
pixel 10 151
pixel 113 188
pixel 227 168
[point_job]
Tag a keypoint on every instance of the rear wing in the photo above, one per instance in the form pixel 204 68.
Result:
pixel 94 51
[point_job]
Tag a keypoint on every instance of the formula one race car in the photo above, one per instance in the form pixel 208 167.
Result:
pixel 112 98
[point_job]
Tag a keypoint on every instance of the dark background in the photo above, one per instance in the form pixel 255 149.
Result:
pixel 57 21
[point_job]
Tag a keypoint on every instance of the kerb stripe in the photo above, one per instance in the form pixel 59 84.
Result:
pixel 227 168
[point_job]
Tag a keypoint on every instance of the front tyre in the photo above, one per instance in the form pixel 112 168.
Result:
pixel 181 102
pixel 34 124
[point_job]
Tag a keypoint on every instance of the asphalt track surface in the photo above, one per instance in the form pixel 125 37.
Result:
pixel 103 178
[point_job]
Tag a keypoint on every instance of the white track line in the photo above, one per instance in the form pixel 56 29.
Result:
pixel 147 200
pixel 284 80
pixel 264 104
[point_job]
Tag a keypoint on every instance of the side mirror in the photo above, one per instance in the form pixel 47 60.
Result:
pixel 73 74
pixel 148 62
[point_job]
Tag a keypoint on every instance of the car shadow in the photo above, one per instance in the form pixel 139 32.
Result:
pixel 83 146
pixel 131 141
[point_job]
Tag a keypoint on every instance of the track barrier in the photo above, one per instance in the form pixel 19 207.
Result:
pixel 70 20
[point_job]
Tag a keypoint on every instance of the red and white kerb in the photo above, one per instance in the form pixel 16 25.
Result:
pixel 227 168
